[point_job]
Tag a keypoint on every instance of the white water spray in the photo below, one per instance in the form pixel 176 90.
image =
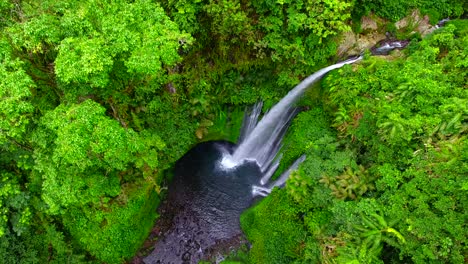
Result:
pixel 260 142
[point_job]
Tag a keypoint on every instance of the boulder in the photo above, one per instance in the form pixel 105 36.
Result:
pixel 373 31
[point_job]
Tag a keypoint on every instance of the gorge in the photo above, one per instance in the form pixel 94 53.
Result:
pixel 216 181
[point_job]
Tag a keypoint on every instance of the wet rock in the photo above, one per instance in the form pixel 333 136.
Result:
pixel 206 204
pixel 386 46
pixel 370 34
pixel 170 88
pixel 353 44
pixel 373 35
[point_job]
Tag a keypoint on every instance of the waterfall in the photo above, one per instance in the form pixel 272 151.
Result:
pixel 261 141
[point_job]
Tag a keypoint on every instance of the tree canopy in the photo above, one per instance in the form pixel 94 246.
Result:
pixel 99 99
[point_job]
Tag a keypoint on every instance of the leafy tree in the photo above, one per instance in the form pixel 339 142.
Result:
pixel 15 91
pixel 76 79
pixel 395 10
pixel 98 99
pixel 87 162
pixel 14 206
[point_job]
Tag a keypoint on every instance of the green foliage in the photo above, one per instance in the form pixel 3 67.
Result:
pixel 303 204
pixel 64 156
pixel 14 207
pixel 389 186
pixel 239 256
pixel 316 137
pixel 245 50
pixel 366 241
pixel 47 245
pixel 138 34
pixel 82 142
pixel 352 184
pixel 98 99
pixel 227 125
pixel 272 226
pixel 15 91
pixel 417 109
pixel 94 39
pixel 123 224
pixel 395 10
pixel 170 120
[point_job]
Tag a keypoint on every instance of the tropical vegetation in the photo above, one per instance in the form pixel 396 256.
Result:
pixel 98 99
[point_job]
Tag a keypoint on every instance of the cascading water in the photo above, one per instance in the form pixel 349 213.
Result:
pixel 260 142
pixel 216 181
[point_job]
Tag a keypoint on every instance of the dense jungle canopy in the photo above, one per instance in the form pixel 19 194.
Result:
pixel 98 99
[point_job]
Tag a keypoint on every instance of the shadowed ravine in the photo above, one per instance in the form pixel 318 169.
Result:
pixel 216 181
pixel 208 202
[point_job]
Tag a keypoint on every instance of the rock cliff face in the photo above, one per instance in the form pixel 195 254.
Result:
pixel 417 23
pixel 374 31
